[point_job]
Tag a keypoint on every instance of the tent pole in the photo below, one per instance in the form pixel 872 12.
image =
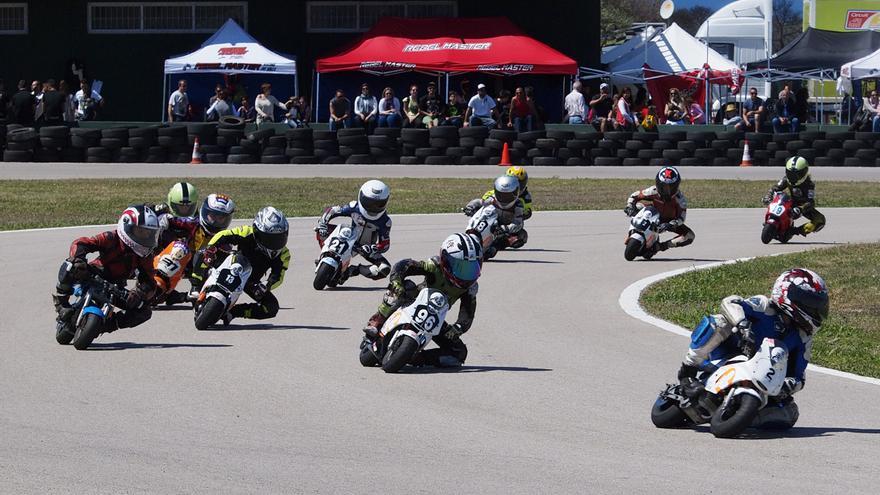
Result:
pixel 317 94
pixel 447 86
pixel 164 90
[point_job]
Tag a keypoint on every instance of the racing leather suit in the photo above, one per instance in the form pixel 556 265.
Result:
pixel 448 345
pixel 510 223
pixel 804 197
pixel 266 305
pixel 374 242
pixel 672 213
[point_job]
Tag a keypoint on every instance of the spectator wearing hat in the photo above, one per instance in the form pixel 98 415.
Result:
pixel 366 109
pixel 481 109
pixel 731 117
pixel 576 105
pixel 600 106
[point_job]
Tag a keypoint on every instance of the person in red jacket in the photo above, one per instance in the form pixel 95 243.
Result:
pixel 123 253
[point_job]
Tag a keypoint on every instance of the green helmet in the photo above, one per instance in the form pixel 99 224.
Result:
pixel 183 199
pixel 797 169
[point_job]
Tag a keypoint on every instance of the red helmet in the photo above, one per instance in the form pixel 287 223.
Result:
pixel 802 295
pixel 138 228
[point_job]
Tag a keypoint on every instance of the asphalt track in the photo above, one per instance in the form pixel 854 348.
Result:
pixel 554 397
pixel 13 170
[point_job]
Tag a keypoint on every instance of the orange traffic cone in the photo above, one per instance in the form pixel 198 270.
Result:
pixel 505 156
pixel 747 157
pixel 196 156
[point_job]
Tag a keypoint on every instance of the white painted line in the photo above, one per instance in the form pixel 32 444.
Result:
pixel 629 302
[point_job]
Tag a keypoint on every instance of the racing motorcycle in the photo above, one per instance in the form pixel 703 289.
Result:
pixel 778 221
pixel 170 267
pixel 94 300
pixel 221 290
pixel 643 237
pixel 336 253
pixel 483 225
pixel 736 390
pixel 407 331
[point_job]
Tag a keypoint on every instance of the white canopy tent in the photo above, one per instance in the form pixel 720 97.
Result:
pixel 865 67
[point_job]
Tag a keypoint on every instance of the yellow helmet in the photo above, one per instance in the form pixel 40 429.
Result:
pixel 520 174
pixel 797 169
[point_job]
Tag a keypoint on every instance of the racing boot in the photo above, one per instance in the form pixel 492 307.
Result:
pixel 176 297
pixel 227 318
pixel 62 306
pixel 663 246
pixel 373 326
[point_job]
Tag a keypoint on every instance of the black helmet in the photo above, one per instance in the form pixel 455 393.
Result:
pixel 667 182
pixel 270 231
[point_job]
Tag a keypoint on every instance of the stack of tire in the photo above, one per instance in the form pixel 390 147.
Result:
pixel 327 147
pixel 471 139
pixel 415 146
pixel 354 146
pixel 21 143
pixel 249 149
pixel 385 145
pixel 274 151
pixel 446 140
pixel 230 132
pixel 300 148
pixel 861 150
pixel 173 143
pixel 578 149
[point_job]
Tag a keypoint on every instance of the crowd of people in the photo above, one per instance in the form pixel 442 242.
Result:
pixel 621 111
pixel 231 98
pixel 49 103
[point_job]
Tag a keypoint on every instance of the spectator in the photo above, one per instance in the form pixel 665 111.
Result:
pixel 540 113
pixel 481 109
pixel 731 116
pixel 366 109
pixel 246 111
pixel 178 104
pixel 502 105
pixel 265 104
pixel 219 105
pixel 4 103
pixel 86 101
pixel 68 115
pixel 872 106
pixel 412 112
pixel 432 107
pixel 467 91
pixel 612 115
pixel 522 112
pixel 54 103
pixel 218 88
pixel 454 112
pixel 695 113
pixel 304 110
pixel 22 105
pixel 802 104
pixel 600 106
pixel 785 113
pixel 340 111
pixel 626 120
pixel 640 105
pixel 37 88
pixel 753 112
pixel 576 105
pixel 389 109
pixel 650 120
pixel 675 110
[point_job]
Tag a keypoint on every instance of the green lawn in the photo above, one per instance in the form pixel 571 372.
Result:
pixel 850 338
pixel 55 203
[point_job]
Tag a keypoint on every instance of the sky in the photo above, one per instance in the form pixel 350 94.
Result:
pixel 717 4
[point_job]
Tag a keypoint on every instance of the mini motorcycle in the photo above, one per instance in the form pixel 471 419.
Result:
pixel 778 221
pixel 94 300
pixel 643 237
pixel 170 267
pixel 406 332
pixel 336 253
pixel 221 290
pixel 483 225
pixel 735 392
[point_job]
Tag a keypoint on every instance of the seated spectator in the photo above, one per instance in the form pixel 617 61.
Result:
pixel 221 106
pixel 599 107
pixel 576 105
pixel 502 105
pixel 675 110
pixel 366 109
pixel 246 111
pixel 389 109
pixel 695 113
pixel 611 122
pixel 753 113
pixel 292 118
pixel 340 111
pixel 731 116
pixel 481 109
pixel 265 104
pixel 453 114
pixel 650 119
pixel 872 106
pixel 432 107
pixel 785 119
pixel 412 112
pixel 522 112
pixel 304 110
pixel 22 105
pixel 626 120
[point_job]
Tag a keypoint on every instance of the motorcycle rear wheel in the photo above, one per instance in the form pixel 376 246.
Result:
pixel 633 246
pixel 666 414
pixel 367 358
pixel 768 233
pixel 401 352
pixel 734 417
pixel 211 311
pixel 87 331
pixel 323 275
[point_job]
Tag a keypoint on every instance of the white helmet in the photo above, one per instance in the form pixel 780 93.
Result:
pixel 270 231
pixel 372 199
pixel 216 213
pixel 461 259
pixel 138 227
pixel 506 191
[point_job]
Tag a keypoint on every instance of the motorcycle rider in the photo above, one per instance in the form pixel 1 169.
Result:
pixel 524 195
pixel 454 272
pixel 375 239
pixel 264 244
pixel 794 312
pixel 803 194
pixel 505 198
pixel 181 201
pixel 121 253
pixel 669 201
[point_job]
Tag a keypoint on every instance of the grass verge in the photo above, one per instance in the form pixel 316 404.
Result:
pixel 57 203
pixel 850 338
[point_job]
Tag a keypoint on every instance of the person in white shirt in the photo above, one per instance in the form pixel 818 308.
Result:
pixel 265 104
pixel 366 108
pixel 481 109
pixel 576 104
pixel 872 105
pixel 389 109
pixel 221 107
pixel 86 101
pixel 625 117
pixel 178 104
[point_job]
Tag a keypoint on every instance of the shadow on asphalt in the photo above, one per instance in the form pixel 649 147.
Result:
pixel 176 307
pixel 540 250
pixel 814 243
pixel 679 259
pixel 797 432
pixel 268 326
pixel 346 288
pixel 427 370
pixel 120 346
pixel 496 260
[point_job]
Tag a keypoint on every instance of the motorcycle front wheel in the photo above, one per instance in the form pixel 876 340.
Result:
pixel 323 276
pixel 211 311
pixel 401 352
pixel 734 417
pixel 633 246
pixel 63 335
pixel 667 414
pixel 367 358
pixel 768 233
pixel 87 331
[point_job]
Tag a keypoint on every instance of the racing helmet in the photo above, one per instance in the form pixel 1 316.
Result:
pixel 270 231
pixel 372 199
pixel 138 228
pixel 667 181
pixel 216 213
pixel 506 191
pixel 182 199
pixel 797 169
pixel 460 260
pixel 521 176
pixel 802 295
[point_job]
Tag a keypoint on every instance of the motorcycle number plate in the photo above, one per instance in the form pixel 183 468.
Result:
pixel 228 280
pixel 338 246
pixel 426 318
pixel 777 210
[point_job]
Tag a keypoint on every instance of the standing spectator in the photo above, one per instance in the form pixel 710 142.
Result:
pixel 453 114
pixel 69 102
pixel 265 104
pixel 54 102
pixel 304 110
pixel 576 105
pixel 178 104
pixel 731 116
pixel 432 107
pixel 675 110
pixel 389 109
pixel 366 109
pixel 4 103
pixel 22 105
pixel 695 113
pixel 540 112
pixel 612 115
pixel 502 105
pixel 246 111
pixel 481 109
pixel 753 112
pixel 220 107
pixel 522 112
pixel 785 113
pixel 86 101
pixel 872 106
pixel 626 120
pixel 600 106
pixel 340 111
pixel 467 91
pixel 412 112
pixel 802 104
pixel 37 88
pixel 650 119
pixel 640 104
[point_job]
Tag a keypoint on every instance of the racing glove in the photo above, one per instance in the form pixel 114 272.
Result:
pixel 789 387
pixel 747 338
pixel 161 209
pixel 396 288
pixel 79 268
pixel 133 300
pixel 795 213
pixel 323 230
pixel 766 199
pixel 453 332
pixel 469 210
pixel 630 210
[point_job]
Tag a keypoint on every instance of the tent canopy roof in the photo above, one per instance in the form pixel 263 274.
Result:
pixel 821 49
pixel 867 66
pixel 739 19
pixel 489 44
pixel 231 50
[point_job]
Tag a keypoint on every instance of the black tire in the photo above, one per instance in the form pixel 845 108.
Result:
pixel 87 331
pixel 21 135
pixel 730 421
pixel 399 353
pixel 667 414
pixel 241 159
pixel 633 246
pixel 115 133
pixel 231 122
pixel 63 335
pixel 17 156
pixel 768 233
pixel 273 159
pixel 323 275
pixel 55 131
pixel 210 313
pixel 367 358
pixel 176 131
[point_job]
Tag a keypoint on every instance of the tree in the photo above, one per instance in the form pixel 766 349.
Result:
pixel 787 23
pixel 691 18
pixel 620 15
